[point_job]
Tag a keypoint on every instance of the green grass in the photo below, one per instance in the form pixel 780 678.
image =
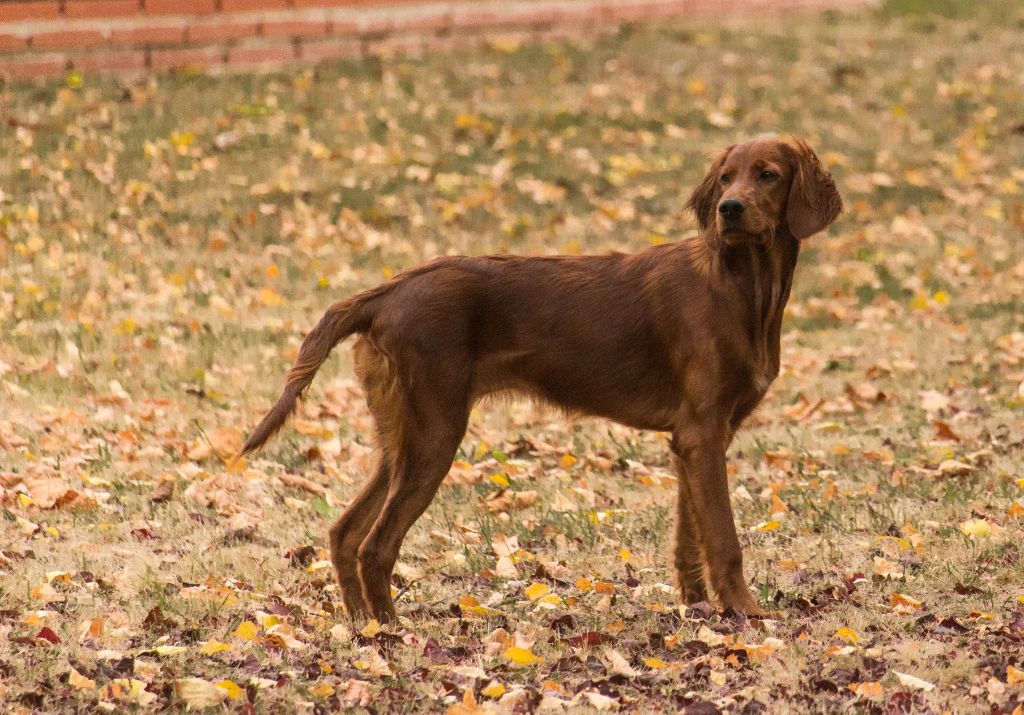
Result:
pixel 165 245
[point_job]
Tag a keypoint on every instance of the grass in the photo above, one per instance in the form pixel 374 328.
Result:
pixel 166 244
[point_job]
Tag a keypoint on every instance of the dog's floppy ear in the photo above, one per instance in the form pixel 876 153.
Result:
pixel 814 201
pixel 704 199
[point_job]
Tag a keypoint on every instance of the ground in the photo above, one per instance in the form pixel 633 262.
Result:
pixel 166 242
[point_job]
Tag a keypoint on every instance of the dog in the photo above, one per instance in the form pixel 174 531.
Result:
pixel 681 338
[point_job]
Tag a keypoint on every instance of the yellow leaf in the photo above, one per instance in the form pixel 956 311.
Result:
pixel 371 629
pixel 199 693
pixel 655 663
pixel 323 690
pixel 625 555
pixel 271 297
pixel 246 631
pixel 500 479
pixel 535 591
pixel 496 690
pixel 552 599
pixel 768 526
pixel 318 566
pixel 469 604
pixel 1013 675
pixel 182 139
pixel 468 705
pixel 567 461
pixel 268 620
pixel 273 271
pixel 35 618
pixel 848 635
pixel 871 689
pixel 231 688
pixel 79 681
pixel 213 646
pixel 976 528
pixel 584 584
pixel 170 649
pixel 521 656
pixel 904 603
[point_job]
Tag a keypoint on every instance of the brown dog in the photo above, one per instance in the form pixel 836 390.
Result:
pixel 682 338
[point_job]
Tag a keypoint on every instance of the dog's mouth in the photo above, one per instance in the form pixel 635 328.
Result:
pixel 739 231
pixel 736 232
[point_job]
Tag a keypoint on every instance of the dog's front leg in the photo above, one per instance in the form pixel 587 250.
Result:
pixel 689 552
pixel 698 446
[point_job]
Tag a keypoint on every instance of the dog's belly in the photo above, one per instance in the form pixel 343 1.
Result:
pixel 638 400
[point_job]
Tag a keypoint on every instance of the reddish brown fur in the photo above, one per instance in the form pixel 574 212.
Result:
pixel 682 338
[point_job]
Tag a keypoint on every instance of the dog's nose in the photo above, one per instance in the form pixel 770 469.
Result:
pixel 730 209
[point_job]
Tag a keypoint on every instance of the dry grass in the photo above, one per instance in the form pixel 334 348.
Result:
pixel 166 244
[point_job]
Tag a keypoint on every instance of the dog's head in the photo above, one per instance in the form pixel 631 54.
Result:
pixel 762 187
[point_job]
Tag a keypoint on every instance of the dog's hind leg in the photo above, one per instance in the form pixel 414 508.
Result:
pixel 433 421
pixel 351 528
pixel 348 532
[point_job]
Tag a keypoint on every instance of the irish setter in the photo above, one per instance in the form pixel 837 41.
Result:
pixel 682 338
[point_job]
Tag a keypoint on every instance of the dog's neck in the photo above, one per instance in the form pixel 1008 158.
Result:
pixel 761 276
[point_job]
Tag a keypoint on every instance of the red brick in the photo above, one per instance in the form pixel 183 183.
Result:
pixel 143 35
pixel 333 49
pixel 100 8
pixel 180 7
pixel 32 66
pixel 67 39
pixel 99 62
pixel 527 16
pixel 293 29
pixel 483 18
pixel 236 5
pixel 14 11
pixel 327 3
pixel 261 54
pixel 10 43
pixel 645 10
pixel 221 30
pixel 201 57
pixel 450 43
pixel 438 22
pixel 400 45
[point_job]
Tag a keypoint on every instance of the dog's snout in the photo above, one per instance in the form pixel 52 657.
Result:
pixel 730 209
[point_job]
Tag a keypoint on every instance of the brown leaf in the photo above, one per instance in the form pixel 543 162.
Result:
pixel 943 432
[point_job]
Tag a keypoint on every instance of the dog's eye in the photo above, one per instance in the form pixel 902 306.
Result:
pixel 768 175
pixel 725 178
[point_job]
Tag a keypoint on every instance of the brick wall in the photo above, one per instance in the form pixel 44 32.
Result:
pixel 40 38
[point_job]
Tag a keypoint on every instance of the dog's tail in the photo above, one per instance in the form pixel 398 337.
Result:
pixel 341 320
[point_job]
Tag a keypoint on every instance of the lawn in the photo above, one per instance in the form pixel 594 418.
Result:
pixel 165 243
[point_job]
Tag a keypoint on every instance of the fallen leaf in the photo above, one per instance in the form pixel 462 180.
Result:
pixel 197 693
pixel 77 680
pixel 976 528
pixel 522 657
pixel 911 681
